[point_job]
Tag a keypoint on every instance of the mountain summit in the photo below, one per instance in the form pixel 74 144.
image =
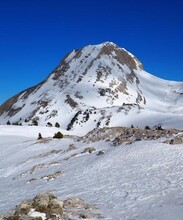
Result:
pixel 96 86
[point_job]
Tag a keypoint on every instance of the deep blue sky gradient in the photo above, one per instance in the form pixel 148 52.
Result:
pixel 36 34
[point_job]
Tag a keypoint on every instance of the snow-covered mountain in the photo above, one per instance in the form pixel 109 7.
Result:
pixel 96 86
pixel 126 173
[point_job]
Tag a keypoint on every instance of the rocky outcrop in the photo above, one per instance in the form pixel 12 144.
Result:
pixel 8 106
pixel 125 135
pixel 121 55
pixel 175 140
pixel 49 207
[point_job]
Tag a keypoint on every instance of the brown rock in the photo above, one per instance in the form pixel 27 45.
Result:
pixel 88 150
pixel 55 206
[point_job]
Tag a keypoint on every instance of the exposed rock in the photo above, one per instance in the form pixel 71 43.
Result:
pixel 52 208
pixel 51 152
pixel 85 216
pixel 22 217
pixel 78 207
pixel 88 150
pixel 120 135
pixel 35 169
pixel 71 147
pixel 52 176
pixel 73 155
pixel 100 152
pixel 8 105
pixel 73 202
pixel 24 208
pixel 122 55
pixel 73 120
pixel 71 102
pixel 41 166
pixel 175 140
pixel 32 180
pixel 41 201
pixel 55 206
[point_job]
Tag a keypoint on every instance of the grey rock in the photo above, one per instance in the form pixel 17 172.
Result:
pixel 100 152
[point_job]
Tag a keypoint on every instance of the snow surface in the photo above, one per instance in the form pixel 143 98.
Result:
pixel 140 181
pixel 33 213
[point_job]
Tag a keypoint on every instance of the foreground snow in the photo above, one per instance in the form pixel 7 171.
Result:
pixel 143 180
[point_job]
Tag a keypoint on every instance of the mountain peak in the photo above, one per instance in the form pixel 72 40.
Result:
pixel 107 43
pixel 95 86
pixel 124 57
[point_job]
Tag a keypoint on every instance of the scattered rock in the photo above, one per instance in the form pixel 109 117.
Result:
pixel 42 166
pixel 175 140
pixel 52 176
pixel 71 147
pixel 88 150
pixel 100 152
pixel 73 155
pixel 32 180
pixel 76 207
pixel 85 216
pixel 47 177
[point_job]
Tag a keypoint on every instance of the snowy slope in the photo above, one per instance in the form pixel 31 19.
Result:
pixel 96 86
pixel 139 181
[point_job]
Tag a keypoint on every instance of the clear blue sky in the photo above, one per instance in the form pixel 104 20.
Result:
pixel 36 34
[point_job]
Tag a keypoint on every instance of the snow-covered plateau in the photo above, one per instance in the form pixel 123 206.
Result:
pixel 138 180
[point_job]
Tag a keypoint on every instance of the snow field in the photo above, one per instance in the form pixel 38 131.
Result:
pixel 140 181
